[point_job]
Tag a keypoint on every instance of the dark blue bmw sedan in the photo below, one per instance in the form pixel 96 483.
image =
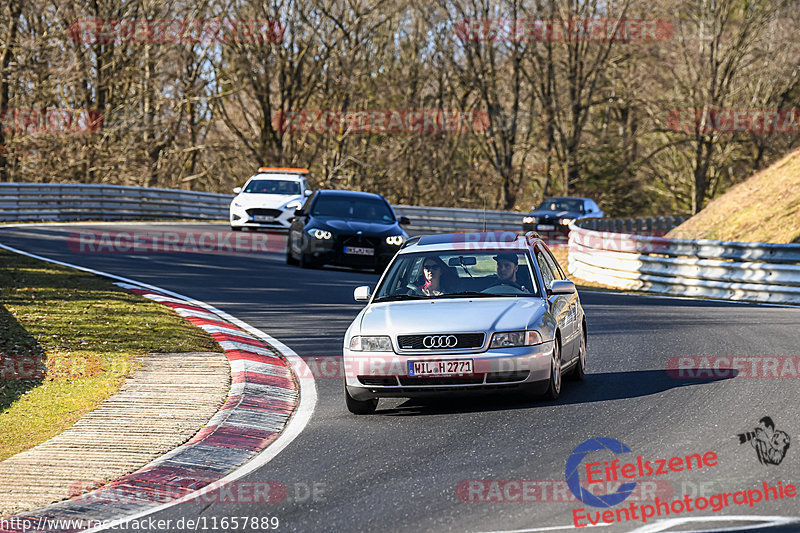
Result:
pixel 347 228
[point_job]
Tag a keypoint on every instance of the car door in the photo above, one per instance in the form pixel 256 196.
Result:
pixel 561 305
pixel 572 308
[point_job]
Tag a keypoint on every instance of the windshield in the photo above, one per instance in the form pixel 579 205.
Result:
pixel 351 207
pixel 561 204
pixel 267 186
pixel 457 274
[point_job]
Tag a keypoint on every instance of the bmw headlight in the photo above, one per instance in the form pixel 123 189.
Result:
pixel 566 221
pixel 506 339
pixel 320 234
pixel 395 240
pixel 371 344
pixel 529 220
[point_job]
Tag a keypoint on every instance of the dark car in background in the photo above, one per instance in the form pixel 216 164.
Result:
pixel 346 228
pixel 555 214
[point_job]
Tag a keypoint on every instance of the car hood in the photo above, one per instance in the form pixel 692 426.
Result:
pixel 452 315
pixel 270 201
pixel 366 227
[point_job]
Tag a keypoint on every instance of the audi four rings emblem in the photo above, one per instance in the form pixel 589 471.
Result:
pixel 439 341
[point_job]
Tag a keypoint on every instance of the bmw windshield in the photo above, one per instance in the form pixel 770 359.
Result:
pixel 561 204
pixel 358 208
pixel 458 274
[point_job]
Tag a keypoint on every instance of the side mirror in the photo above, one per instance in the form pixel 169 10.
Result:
pixel 307 192
pixel 404 221
pixel 237 190
pixel 561 286
pixel 363 293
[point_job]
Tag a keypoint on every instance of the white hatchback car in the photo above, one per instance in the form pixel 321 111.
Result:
pixel 465 312
pixel 269 198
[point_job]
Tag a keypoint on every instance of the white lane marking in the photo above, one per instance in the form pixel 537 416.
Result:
pixel 293 428
pixel 763 521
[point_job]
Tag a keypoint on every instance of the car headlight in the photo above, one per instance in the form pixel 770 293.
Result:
pixel 295 204
pixel 529 220
pixel 320 234
pixel 506 339
pixel 371 344
pixel 395 240
pixel 566 221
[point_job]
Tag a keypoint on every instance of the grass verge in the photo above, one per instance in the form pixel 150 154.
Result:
pixel 68 340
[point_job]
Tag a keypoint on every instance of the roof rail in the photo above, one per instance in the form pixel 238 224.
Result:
pixel 287 170
pixel 411 241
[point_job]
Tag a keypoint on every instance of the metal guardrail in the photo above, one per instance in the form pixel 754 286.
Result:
pixel 759 272
pixel 64 202
pixel 447 219
pixel 60 202
pixel 637 226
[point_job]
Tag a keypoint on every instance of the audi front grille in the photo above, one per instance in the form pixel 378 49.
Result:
pixel 441 341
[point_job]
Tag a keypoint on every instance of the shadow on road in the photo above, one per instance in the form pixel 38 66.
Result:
pixel 598 387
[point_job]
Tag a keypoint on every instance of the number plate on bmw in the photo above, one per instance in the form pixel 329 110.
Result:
pixel 355 250
pixel 440 368
pixel 546 227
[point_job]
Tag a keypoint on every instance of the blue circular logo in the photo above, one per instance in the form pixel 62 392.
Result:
pixel 574 481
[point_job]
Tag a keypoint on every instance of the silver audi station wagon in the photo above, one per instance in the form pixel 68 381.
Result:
pixel 465 312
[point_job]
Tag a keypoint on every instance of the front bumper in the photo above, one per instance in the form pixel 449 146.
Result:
pixel 385 374
pixel 240 218
pixel 331 252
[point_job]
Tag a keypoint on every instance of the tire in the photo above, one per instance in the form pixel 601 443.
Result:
pixel 554 386
pixel 305 261
pixel 359 407
pixel 578 373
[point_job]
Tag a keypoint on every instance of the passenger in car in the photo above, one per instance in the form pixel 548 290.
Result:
pixel 507 267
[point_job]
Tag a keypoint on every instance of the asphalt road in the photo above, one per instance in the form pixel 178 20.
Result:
pixel 409 466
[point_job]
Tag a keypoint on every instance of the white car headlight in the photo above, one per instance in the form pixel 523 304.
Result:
pixel 506 339
pixel 395 240
pixel 371 344
pixel 566 221
pixel 529 220
pixel 320 234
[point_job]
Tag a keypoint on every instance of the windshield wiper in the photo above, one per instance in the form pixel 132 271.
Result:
pixel 397 297
pixel 468 293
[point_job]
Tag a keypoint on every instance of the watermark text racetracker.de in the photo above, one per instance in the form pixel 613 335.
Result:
pixel 174 241
pixel 176 31
pixel 564 30
pixel 726 366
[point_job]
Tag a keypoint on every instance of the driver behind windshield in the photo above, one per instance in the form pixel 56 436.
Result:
pixel 507 267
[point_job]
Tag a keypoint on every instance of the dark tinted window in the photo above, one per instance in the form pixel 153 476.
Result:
pixel 273 187
pixel 562 204
pixel 352 207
